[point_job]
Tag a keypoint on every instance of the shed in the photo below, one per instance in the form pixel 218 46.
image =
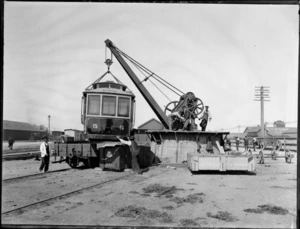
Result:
pixel 22 131
pixel 78 135
pixel 140 134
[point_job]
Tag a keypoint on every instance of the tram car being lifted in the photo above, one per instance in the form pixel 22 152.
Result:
pixel 107 111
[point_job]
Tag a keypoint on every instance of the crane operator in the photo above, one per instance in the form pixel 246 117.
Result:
pixel 205 116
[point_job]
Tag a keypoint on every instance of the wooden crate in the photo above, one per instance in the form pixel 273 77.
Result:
pixel 197 162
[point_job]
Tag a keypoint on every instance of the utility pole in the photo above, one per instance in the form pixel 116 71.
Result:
pixel 49 117
pixel 262 95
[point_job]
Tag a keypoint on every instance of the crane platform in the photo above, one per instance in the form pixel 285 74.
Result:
pixel 192 147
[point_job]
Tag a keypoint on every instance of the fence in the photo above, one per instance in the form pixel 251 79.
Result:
pixel 286 143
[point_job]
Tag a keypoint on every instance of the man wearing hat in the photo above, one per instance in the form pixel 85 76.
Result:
pixel 135 150
pixel 205 116
pixel 45 155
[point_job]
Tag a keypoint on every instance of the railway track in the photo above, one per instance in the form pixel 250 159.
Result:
pixel 25 208
pixel 9 180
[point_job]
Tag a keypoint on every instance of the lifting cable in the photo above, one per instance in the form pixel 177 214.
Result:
pixel 161 91
pixel 148 72
pixel 138 65
pixel 147 77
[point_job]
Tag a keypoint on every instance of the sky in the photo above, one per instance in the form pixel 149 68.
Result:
pixel 54 50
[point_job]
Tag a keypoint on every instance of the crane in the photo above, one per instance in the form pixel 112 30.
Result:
pixel 194 105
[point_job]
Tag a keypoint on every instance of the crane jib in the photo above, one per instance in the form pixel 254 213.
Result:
pixel 150 100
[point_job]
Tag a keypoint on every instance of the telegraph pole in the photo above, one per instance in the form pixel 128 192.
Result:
pixel 262 94
pixel 49 117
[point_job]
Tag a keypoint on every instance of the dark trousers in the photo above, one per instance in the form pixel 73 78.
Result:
pixel 45 164
pixel 203 124
pixel 134 162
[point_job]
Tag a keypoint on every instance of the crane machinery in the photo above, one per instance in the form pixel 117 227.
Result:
pixel 108 111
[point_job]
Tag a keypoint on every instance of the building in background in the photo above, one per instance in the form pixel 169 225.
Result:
pixel 23 131
pixel 77 135
pixel 140 134
pixel 278 130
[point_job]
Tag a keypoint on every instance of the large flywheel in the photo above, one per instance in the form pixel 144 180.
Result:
pixel 195 106
pixel 170 107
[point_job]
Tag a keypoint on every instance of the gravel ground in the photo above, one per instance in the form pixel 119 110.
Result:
pixel 160 197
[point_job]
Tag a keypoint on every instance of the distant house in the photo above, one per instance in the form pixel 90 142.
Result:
pixel 270 132
pixel 253 131
pixel 22 131
pixel 77 135
pixel 56 133
pixel 140 134
pixel 236 135
pixel 291 132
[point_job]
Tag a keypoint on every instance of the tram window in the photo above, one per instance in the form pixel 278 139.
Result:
pixel 109 105
pixel 104 85
pixel 115 86
pixel 123 107
pixel 93 105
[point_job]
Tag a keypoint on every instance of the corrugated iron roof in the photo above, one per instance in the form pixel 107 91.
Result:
pixel 13 125
pixel 254 129
pixel 149 121
pixel 277 131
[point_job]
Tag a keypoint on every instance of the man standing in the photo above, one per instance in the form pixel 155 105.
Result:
pixel 45 155
pixel 246 143
pixel 205 116
pixel 135 150
pixel 172 116
pixel 228 142
pixel 11 142
pixel 254 142
pixel 237 143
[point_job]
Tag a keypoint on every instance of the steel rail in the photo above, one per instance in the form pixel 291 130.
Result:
pixel 20 210
pixel 7 154
pixel 33 175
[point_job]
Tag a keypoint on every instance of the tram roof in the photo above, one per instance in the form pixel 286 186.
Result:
pixel 110 87
pixel 108 91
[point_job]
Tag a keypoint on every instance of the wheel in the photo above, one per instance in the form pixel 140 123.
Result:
pixel 195 106
pixel 288 158
pixel 249 152
pixel 87 163
pixel 261 158
pixel 278 145
pixel 274 155
pixel 73 162
pixel 170 107
pixel 262 145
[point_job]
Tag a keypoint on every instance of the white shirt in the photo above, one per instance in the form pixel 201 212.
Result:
pixel 209 115
pixel 43 149
pixel 125 142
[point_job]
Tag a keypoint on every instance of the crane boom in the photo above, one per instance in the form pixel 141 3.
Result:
pixel 150 100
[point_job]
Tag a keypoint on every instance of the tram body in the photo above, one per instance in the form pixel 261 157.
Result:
pixel 107 111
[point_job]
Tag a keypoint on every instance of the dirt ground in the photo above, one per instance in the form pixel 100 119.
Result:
pixel 163 196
